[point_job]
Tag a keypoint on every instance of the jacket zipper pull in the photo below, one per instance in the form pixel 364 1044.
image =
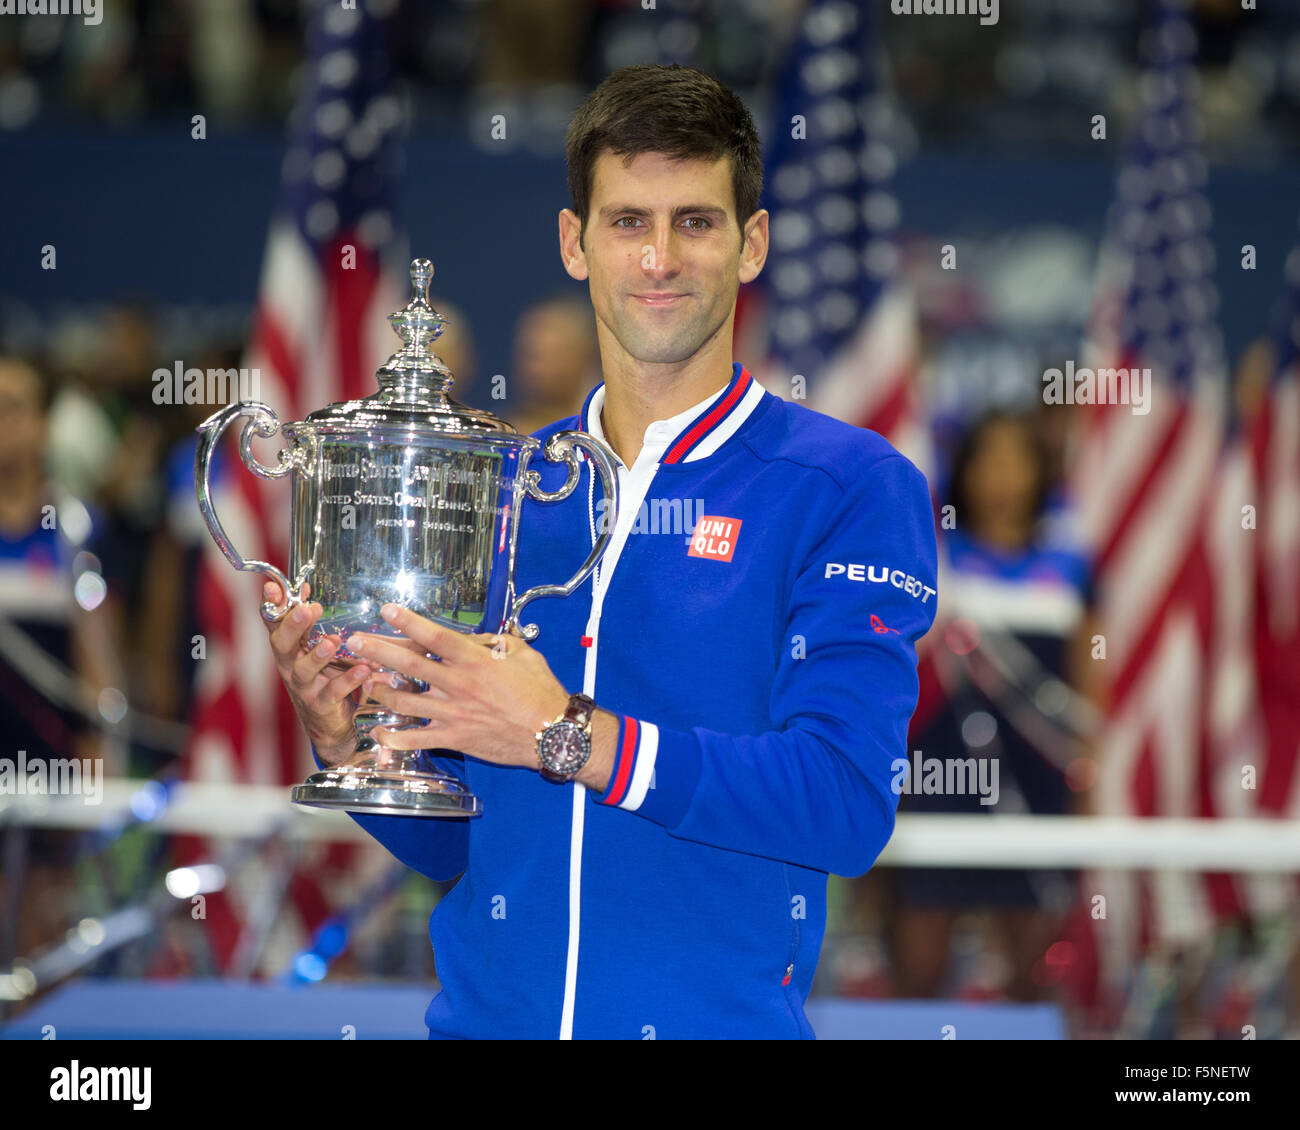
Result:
pixel 789 972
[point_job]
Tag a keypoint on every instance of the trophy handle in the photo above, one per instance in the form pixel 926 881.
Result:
pixel 562 445
pixel 262 422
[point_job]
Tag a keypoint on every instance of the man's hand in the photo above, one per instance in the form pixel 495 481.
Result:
pixel 488 695
pixel 321 695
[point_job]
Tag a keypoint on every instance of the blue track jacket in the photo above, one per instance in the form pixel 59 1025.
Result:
pixel 753 623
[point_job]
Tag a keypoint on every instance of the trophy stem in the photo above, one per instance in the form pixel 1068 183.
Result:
pixel 369 715
pixel 394 782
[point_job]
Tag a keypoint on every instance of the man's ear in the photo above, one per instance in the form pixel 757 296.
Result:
pixel 571 252
pixel 754 252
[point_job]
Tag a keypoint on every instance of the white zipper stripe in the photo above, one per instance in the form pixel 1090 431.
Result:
pixel 634 484
pixel 575 907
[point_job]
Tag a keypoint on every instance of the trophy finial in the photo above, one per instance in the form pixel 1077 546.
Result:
pixel 419 323
pixel 415 373
pixel 421 274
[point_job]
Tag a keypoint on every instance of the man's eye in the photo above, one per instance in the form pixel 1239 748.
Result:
pixel 700 220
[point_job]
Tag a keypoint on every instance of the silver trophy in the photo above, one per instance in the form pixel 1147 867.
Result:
pixel 408 497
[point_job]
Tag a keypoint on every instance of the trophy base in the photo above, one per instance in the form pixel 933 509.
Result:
pixel 375 790
pixel 393 797
pixel 379 781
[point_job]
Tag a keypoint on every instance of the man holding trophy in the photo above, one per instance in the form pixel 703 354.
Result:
pixel 646 804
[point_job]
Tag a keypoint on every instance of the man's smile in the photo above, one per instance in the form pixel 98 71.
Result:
pixel 664 298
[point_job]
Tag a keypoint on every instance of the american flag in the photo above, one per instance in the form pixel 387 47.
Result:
pixel 1274 438
pixel 1152 500
pixel 1252 716
pixel 834 309
pixel 328 281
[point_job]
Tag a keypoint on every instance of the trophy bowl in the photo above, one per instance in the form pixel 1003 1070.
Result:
pixel 403 497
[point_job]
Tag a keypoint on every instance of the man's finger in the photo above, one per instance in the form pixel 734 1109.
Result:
pixel 272 593
pixel 397 681
pixel 450 645
pixel 307 667
pixel 397 656
pixel 506 641
pixel 346 683
pixel 288 636
pixel 405 702
pixel 426 737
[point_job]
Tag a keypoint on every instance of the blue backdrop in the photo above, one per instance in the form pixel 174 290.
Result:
pixel 157 215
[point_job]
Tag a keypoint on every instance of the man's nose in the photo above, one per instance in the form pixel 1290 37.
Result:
pixel 660 255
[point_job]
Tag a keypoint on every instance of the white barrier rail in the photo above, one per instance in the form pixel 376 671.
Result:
pixel 237 811
pixel 202 808
pixel 1232 846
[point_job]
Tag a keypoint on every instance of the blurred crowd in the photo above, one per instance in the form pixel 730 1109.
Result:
pixel 236 60
pixel 1042 68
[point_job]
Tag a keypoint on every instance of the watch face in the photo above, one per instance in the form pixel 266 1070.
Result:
pixel 564 747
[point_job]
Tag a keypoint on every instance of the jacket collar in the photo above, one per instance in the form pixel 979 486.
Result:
pixel 695 433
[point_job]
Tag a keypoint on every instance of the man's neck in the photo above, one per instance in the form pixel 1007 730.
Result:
pixel 636 398
pixel 1006 532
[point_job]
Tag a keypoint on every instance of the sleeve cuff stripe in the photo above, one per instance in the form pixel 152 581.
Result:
pixel 647 753
pixel 624 760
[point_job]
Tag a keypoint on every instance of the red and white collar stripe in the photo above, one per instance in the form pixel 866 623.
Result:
pixel 704 434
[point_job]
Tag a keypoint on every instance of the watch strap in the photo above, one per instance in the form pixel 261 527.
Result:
pixel 580 710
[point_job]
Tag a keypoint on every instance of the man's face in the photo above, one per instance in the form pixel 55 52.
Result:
pixel 1003 475
pixel 22 422
pixel 663 253
pixel 555 350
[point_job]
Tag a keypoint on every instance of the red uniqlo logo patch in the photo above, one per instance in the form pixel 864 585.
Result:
pixel 715 538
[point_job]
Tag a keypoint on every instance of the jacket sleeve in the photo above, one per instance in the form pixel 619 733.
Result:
pixel 817 790
pixel 436 848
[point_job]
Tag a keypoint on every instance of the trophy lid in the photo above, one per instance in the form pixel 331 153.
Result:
pixel 415 383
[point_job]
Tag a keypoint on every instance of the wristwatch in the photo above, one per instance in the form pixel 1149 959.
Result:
pixel 563 746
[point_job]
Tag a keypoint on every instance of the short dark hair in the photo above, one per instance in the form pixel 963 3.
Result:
pixel 973 440
pixel 671 109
